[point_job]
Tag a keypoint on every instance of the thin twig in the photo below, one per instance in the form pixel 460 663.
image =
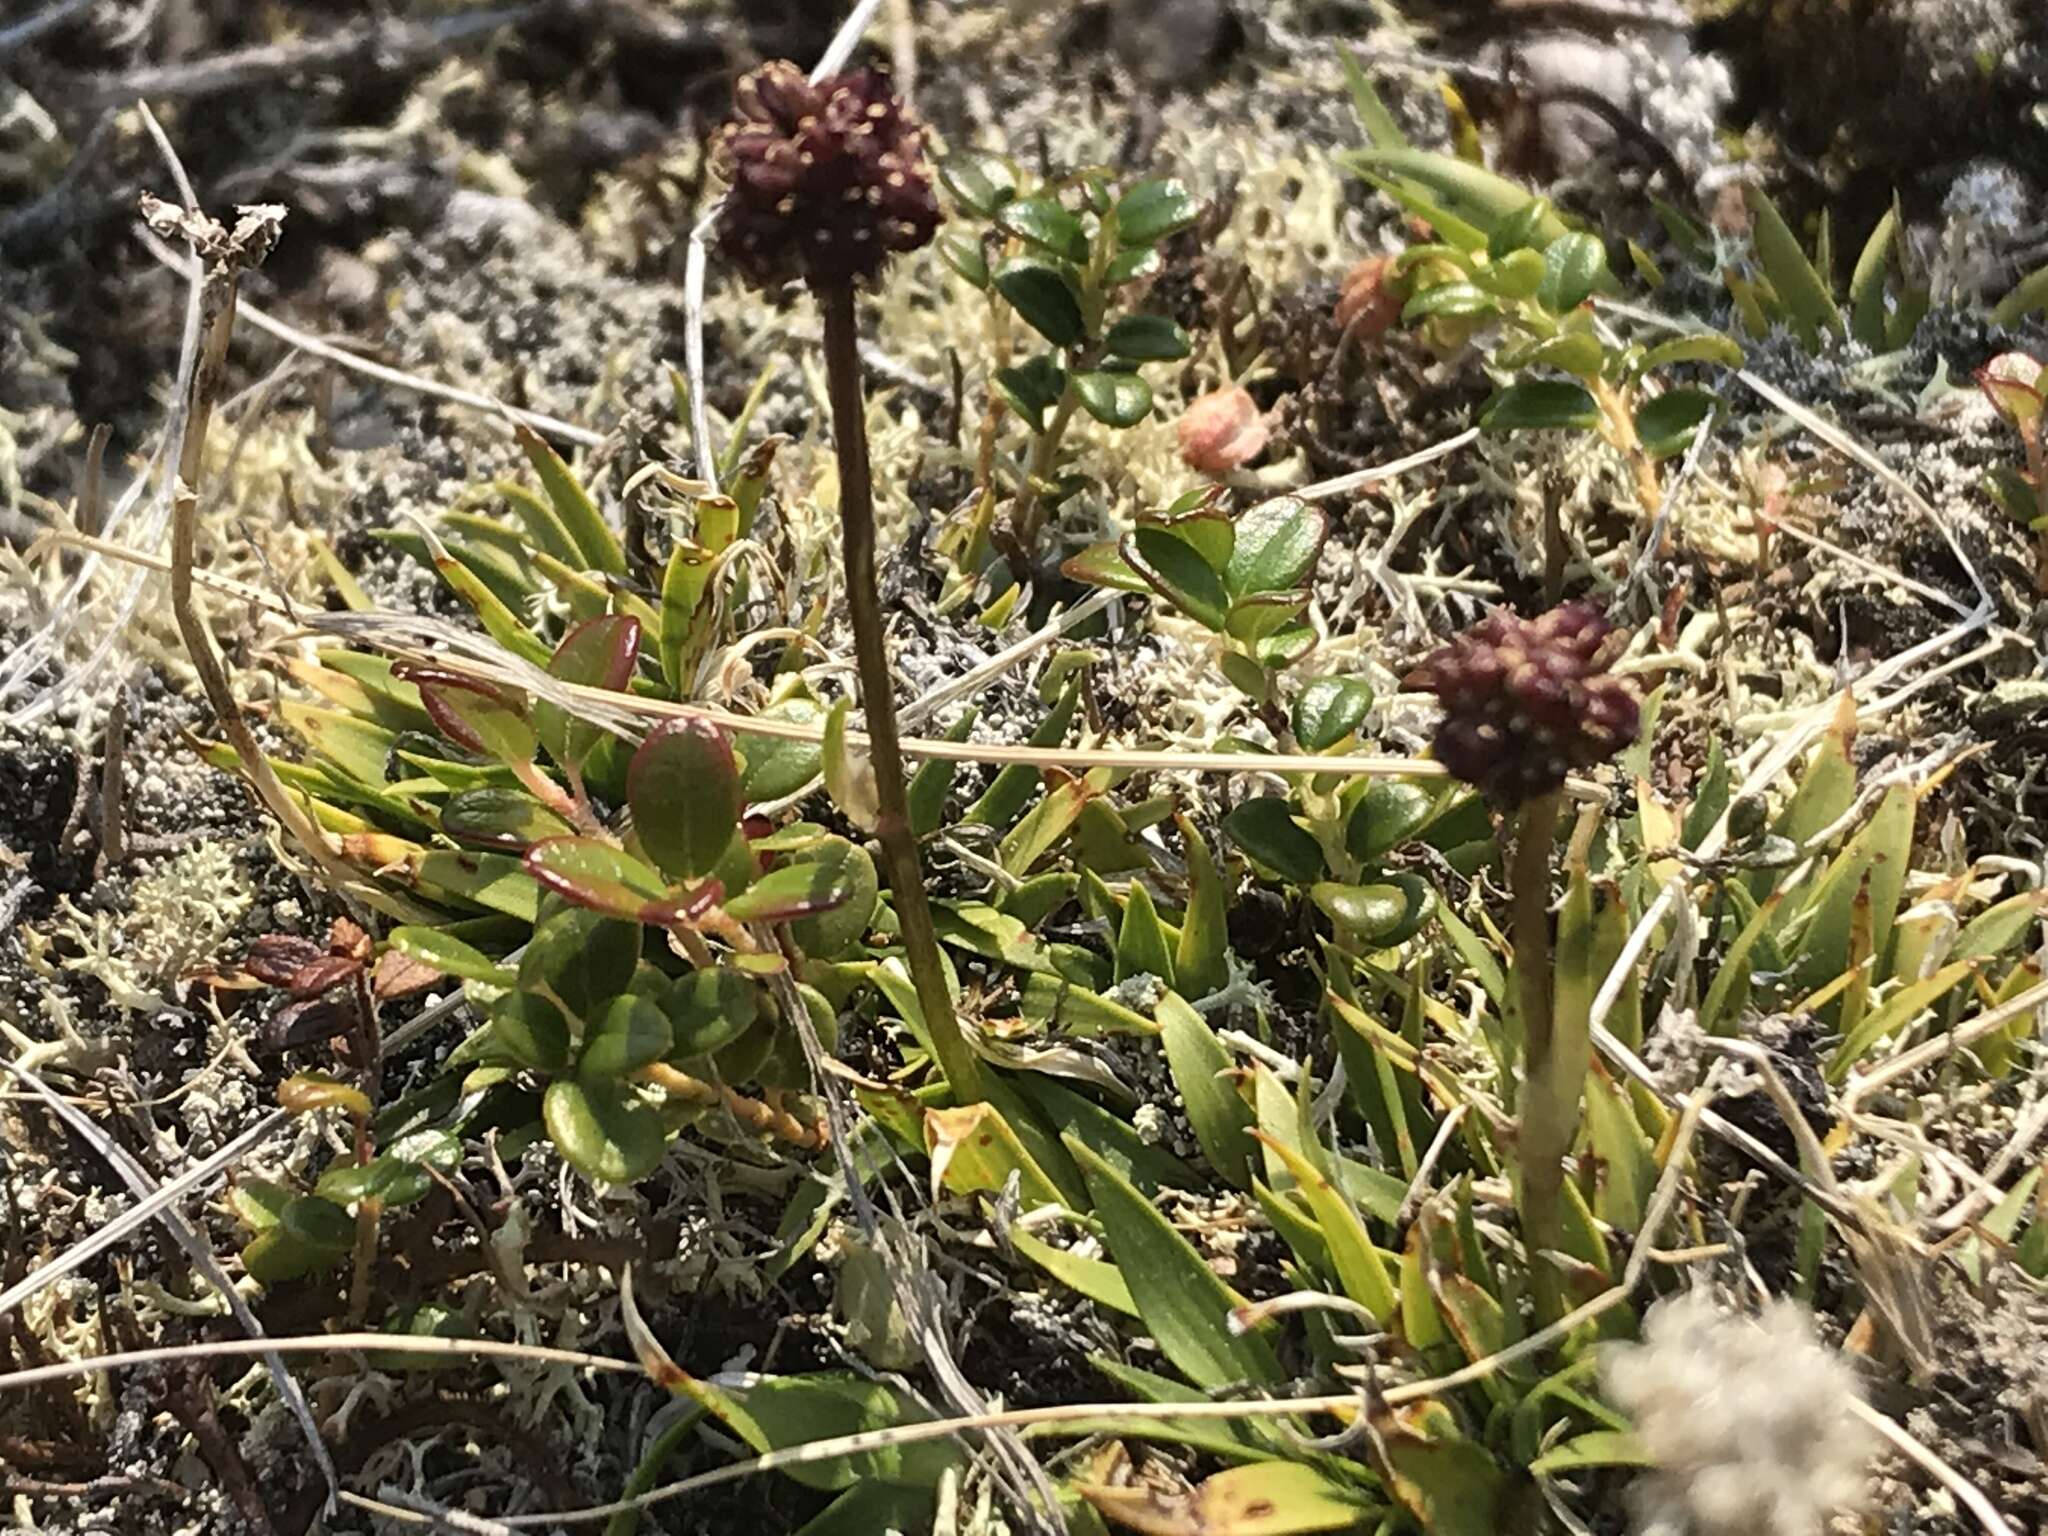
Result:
pixel 17 37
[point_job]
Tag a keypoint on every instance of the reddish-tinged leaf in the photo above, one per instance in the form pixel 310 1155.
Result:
pixel 684 788
pixel 605 879
pixel 275 958
pixel 598 653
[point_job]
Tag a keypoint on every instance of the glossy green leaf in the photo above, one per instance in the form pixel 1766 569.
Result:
pixel 605 879
pixel 684 788
pixel 319 1224
pixel 981 181
pixel 1042 222
pixel 1703 347
pixel 1455 299
pixel 1103 565
pixel 450 956
pixel 1386 913
pixel 1386 815
pixel 1186 1307
pixel 1573 266
pixel 1276 547
pixel 778 766
pixel 1045 298
pixel 1265 828
pixel 1178 574
pixel 532 1031
pixel 1114 399
pixel 1033 387
pixel 1540 404
pixel 631 1032
pixel 964 255
pixel 1148 339
pixel 1667 423
pixel 1329 710
pixel 1152 210
pixel 1205 1077
pixel 603 1129
pixel 583 957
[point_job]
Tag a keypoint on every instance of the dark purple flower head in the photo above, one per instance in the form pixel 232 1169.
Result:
pixel 1526 701
pixel 828 180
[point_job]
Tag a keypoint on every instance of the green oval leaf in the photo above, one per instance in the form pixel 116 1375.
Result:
pixel 980 181
pixel 318 1224
pixel 1449 299
pixel 708 1010
pixel 1114 399
pixel 1386 913
pixel 604 1130
pixel 1152 210
pixel 532 1031
pixel 1178 573
pixel 1389 813
pixel 1103 565
pixel 1706 347
pixel 1148 339
pixel 684 788
pixel 1265 828
pixel 1667 424
pixel 1033 387
pixel 629 1034
pixel 829 932
pixel 1573 265
pixel 1044 297
pixel 605 879
pixel 1330 709
pixel 1540 404
pixel 964 255
pixel 1042 222
pixel 781 765
pixel 1277 545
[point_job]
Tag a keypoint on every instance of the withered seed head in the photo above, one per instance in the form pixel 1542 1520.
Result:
pixel 1526 701
pixel 828 180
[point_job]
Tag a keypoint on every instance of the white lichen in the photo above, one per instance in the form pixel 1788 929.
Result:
pixel 176 917
pixel 1747 1419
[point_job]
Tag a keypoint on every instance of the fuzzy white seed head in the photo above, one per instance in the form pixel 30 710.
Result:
pixel 1748 1420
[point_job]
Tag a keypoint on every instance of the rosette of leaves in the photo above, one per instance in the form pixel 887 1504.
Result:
pixel 1061 256
pixel 1245 578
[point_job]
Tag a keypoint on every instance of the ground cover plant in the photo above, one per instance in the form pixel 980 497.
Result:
pixel 1016 768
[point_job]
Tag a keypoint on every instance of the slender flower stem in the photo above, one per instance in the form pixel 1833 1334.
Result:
pixel 1540 1155
pixel 892 823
